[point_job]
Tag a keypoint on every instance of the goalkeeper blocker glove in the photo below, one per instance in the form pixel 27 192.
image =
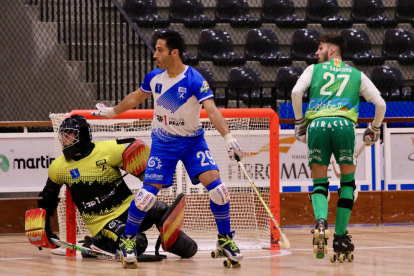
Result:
pixel 300 130
pixel 233 148
pixel 104 111
pixel 371 135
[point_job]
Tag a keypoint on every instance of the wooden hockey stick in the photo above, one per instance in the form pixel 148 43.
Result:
pixel 285 243
pixel 360 150
pixel 89 251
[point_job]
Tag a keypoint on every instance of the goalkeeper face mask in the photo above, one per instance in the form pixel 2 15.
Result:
pixel 74 136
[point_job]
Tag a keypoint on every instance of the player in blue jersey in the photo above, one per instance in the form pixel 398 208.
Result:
pixel 179 92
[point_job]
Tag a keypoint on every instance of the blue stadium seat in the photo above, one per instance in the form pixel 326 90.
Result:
pixel 220 100
pixel 282 13
pixel 358 48
pixel 286 78
pixel 263 46
pixel 326 13
pixel 188 59
pixel 371 12
pixel 304 45
pixel 236 12
pixel 216 46
pixel 389 82
pixel 399 45
pixel 190 13
pixel 404 11
pixel 246 84
pixel 144 13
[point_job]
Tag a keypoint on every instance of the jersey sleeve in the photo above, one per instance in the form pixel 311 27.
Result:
pixel 115 151
pixel 368 89
pixel 146 87
pixel 302 84
pixel 201 88
pixel 53 170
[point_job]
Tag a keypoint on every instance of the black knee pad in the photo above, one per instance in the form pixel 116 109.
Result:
pixel 325 185
pixel 154 216
pixel 184 246
pixel 345 203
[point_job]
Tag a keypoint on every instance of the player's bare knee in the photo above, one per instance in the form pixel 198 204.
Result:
pixel 145 200
pixel 218 192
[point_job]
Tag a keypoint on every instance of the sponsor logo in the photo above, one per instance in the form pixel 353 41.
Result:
pixel 32 163
pixel 314 106
pixel 100 162
pixel 154 176
pixel 181 92
pixel 205 87
pixel 176 121
pixel 337 63
pixel 112 224
pixel 158 88
pixel 36 238
pixel 145 202
pixel 74 173
pixel 4 163
pixel 342 158
pixel 160 118
pixel 312 151
pixel 155 161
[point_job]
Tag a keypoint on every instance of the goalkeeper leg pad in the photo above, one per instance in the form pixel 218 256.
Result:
pixel 184 246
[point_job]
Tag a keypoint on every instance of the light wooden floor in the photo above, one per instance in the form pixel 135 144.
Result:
pixel 380 250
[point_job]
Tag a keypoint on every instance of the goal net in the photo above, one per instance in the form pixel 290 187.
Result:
pixel 256 130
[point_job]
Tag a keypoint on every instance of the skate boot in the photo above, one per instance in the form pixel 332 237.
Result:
pixel 128 252
pixel 343 248
pixel 227 248
pixel 320 238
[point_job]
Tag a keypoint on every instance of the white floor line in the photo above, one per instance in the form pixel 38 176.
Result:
pixel 361 248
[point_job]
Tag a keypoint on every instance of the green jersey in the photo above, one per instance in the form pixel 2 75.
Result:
pixel 334 91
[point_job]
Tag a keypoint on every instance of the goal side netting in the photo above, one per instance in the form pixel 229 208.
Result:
pixel 256 130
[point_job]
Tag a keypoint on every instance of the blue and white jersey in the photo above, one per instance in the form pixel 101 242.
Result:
pixel 177 103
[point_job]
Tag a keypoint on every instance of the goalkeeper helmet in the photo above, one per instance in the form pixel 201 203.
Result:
pixel 74 135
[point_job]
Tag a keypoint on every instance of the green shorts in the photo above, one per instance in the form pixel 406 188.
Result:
pixel 329 135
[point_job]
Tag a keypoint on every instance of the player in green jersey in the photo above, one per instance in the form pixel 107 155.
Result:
pixel 329 128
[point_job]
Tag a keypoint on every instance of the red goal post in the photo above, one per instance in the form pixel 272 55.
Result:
pixel 240 113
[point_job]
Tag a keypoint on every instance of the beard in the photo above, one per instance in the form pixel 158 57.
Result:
pixel 323 58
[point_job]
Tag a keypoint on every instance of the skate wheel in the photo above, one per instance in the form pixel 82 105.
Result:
pixel 325 249
pixel 227 263
pixel 316 234
pixel 341 258
pixel 333 258
pixel 350 257
pixel 315 249
pixel 124 264
pixel 134 264
pixel 215 254
pixel 326 234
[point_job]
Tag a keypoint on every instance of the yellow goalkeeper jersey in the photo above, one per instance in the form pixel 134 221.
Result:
pixel 95 183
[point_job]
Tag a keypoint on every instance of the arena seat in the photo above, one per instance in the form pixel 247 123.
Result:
pixel 358 48
pixel 371 12
pixel 263 46
pixel 220 100
pixel 216 46
pixel 286 78
pixel 246 84
pixel 144 13
pixel 398 44
pixel 389 81
pixel 404 11
pixel 188 59
pixel 190 13
pixel 236 13
pixel 304 45
pixel 282 13
pixel 326 13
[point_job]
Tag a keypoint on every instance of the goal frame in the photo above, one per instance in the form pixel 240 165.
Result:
pixel 227 113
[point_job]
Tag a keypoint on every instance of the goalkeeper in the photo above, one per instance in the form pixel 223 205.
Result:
pixel 91 170
pixel 329 128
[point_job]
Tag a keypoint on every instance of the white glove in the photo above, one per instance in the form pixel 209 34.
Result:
pixel 371 135
pixel 300 130
pixel 233 148
pixel 104 111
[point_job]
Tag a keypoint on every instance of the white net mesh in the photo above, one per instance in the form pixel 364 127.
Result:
pixel 248 217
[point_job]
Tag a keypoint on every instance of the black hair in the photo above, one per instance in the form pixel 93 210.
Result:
pixel 335 39
pixel 174 40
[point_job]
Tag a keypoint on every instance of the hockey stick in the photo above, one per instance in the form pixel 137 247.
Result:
pixel 285 243
pixel 89 251
pixel 360 150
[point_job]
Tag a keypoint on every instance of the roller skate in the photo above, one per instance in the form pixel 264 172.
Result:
pixel 227 248
pixel 343 248
pixel 320 238
pixel 128 252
